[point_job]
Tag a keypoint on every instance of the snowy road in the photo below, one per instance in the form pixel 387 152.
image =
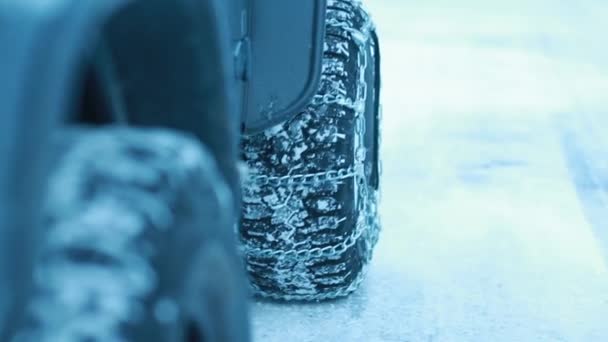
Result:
pixel 495 202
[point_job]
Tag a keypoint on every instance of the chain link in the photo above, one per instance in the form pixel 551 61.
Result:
pixel 307 178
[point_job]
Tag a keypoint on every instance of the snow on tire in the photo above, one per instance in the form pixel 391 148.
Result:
pixel 139 244
pixel 310 218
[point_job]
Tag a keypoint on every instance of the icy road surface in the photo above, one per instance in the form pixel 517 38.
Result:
pixel 495 203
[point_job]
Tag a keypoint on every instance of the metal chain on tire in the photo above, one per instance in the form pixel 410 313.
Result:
pixel 366 201
pixel 361 37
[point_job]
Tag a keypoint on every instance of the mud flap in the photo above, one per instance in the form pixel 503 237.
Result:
pixel 286 59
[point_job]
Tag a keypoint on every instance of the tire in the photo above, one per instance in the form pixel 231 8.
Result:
pixel 24 137
pixel 139 244
pixel 310 218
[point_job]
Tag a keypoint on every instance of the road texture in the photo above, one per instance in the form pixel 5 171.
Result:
pixel 495 201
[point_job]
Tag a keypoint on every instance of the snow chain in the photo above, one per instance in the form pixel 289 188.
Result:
pixel 366 198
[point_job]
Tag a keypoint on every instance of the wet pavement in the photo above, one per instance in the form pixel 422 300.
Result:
pixel 495 201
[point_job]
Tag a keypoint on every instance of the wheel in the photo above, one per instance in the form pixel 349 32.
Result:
pixel 310 218
pixel 139 244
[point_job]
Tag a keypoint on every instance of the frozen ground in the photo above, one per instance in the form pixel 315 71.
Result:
pixel 495 202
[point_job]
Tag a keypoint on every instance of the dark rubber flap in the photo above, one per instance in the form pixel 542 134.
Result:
pixel 286 57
